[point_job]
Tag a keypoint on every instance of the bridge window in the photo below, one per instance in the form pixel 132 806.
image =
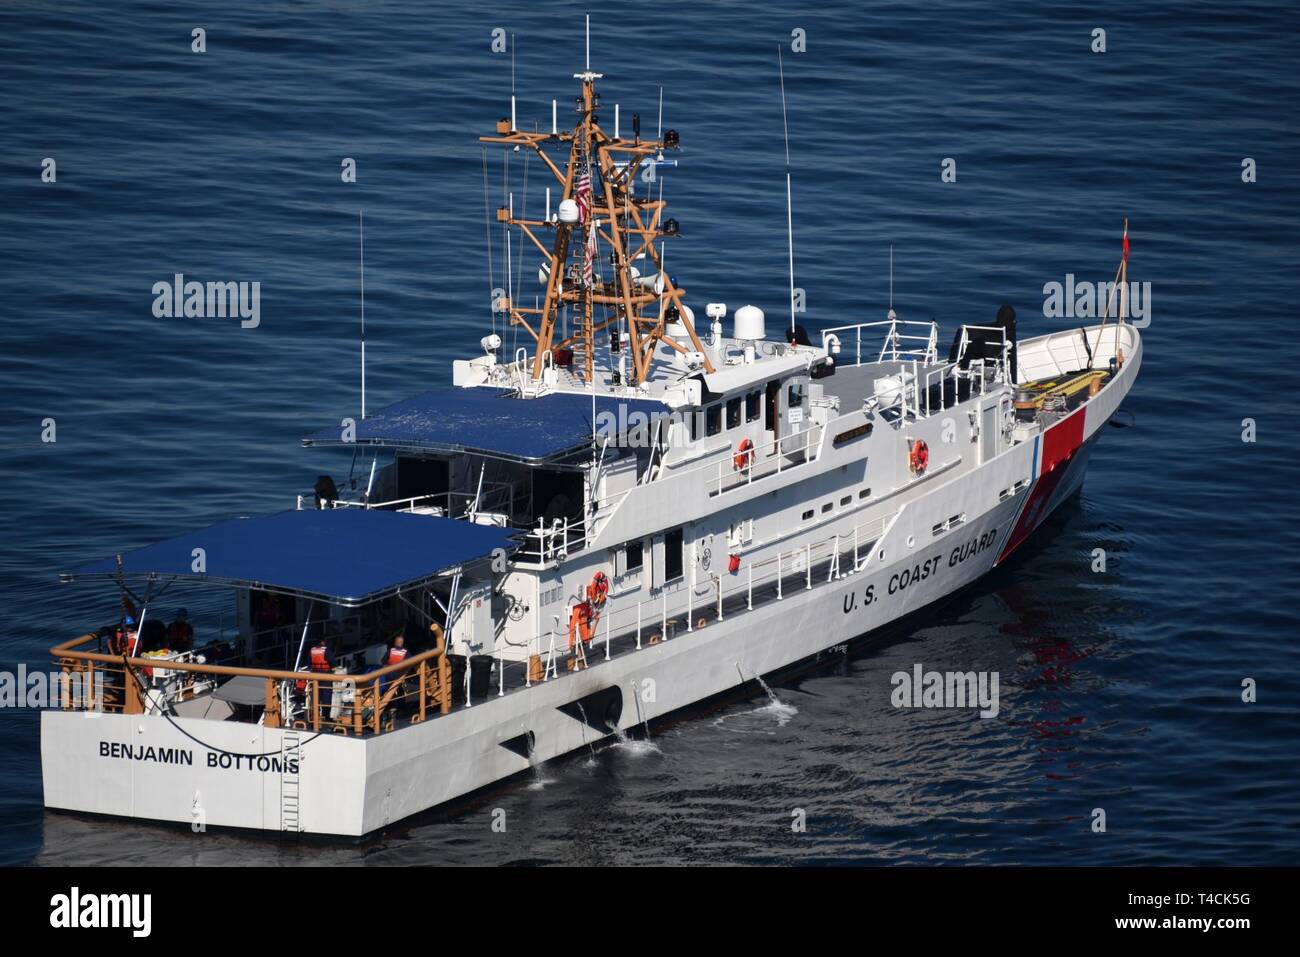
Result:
pixel 733 412
pixel 713 419
pixel 753 406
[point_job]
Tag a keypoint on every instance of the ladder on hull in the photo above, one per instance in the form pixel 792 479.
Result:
pixel 290 781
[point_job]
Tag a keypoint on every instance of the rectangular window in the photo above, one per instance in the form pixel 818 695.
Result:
pixel 865 493
pixel 733 412
pixel 807 515
pixel 695 426
pixel 713 419
pixel 827 507
pixel 635 556
pixel 673 554
pixel 794 396
pixel 846 500
pixel 753 405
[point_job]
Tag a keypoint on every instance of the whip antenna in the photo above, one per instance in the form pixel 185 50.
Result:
pixel 361 234
pixel 789 209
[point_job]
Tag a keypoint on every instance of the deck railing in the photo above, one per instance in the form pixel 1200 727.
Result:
pixel 314 701
pixel 903 339
pixel 677 609
pixel 772 458
pixel 423 687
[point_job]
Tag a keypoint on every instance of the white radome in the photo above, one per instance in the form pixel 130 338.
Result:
pixel 751 324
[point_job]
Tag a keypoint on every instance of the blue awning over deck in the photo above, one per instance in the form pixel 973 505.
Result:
pixel 495 422
pixel 346 556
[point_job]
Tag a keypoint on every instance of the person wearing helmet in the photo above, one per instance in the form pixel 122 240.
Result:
pixel 123 640
pixel 180 634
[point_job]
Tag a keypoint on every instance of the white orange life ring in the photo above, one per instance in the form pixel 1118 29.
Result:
pixel 744 457
pixel 918 457
pixel 598 590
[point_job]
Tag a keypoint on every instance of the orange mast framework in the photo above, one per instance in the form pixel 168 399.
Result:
pixel 628 228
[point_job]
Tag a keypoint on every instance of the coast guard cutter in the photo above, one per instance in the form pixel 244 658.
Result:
pixel 632 512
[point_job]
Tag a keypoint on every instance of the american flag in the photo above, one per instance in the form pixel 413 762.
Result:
pixel 582 194
pixel 589 256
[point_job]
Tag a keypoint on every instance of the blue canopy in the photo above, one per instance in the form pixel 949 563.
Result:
pixel 495 422
pixel 347 556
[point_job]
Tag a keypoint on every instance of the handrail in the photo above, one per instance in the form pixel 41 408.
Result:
pixel 65 650
pixel 654 613
pixel 370 699
pixel 710 460
pixel 892 339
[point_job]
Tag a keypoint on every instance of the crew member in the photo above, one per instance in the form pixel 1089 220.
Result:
pixel 320 663
pixel 396 651
pixel 180 634
pixel 320 657
pixel 124 643
pixel 395 655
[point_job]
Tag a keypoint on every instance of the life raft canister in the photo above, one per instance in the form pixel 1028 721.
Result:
pixel 598 590
pixel 744 457
pixel 919 457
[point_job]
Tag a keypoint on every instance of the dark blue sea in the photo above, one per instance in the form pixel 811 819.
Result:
pixel 1120 690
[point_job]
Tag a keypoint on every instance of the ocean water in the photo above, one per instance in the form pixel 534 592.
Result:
pixel 1119 691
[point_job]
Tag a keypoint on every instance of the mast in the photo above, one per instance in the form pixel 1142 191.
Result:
pixel 789 207
pixel 588 248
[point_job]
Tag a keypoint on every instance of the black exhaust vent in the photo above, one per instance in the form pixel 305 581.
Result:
pixel 521 744
pixel 599 710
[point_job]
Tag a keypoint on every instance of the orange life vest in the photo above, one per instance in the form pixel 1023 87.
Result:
pixel 320 659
